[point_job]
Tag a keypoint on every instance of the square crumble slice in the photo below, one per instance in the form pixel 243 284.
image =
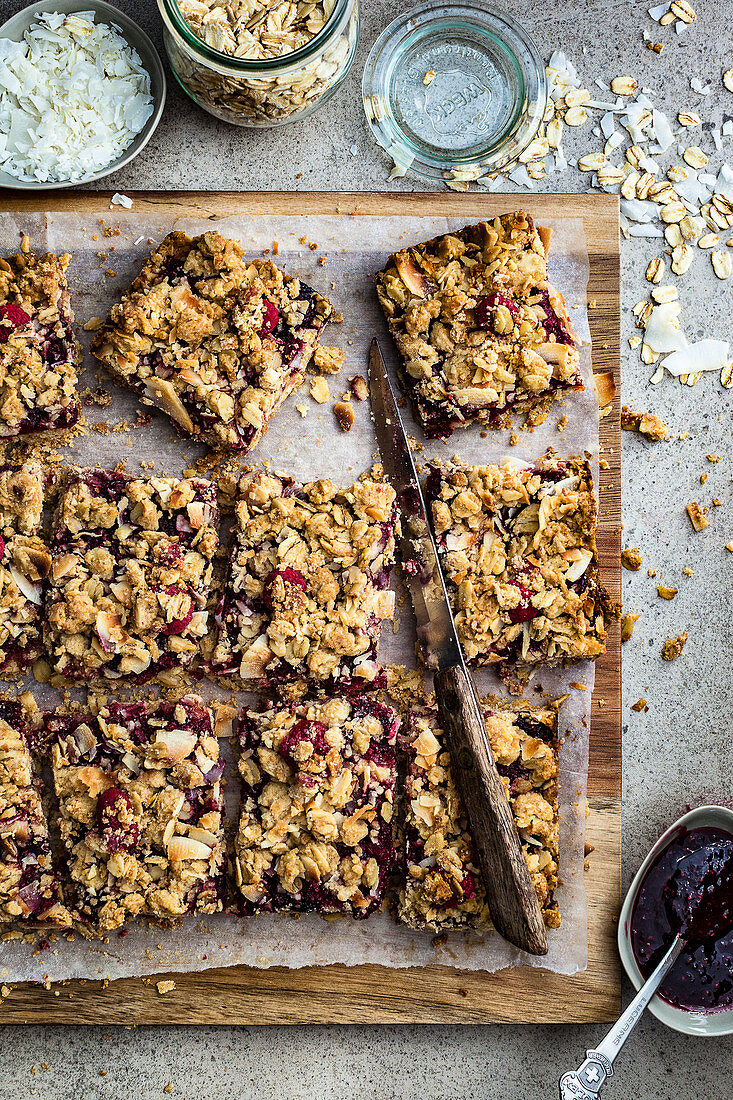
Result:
pixel 307 590
pixel 140 808
pixel 214 340
pixel 315 828
pixel 479 328
pixel 442 887
pixel 518 549
pixel 38 351
pixel 29 885
pixel 24 564
pixel 132 561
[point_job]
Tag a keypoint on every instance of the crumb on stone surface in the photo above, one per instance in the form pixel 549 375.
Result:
pixel 628 622
pixel 697 515
pixel 645 423
pixel 631 559
pixel 666 593
pixel 639 705
pixel 673 647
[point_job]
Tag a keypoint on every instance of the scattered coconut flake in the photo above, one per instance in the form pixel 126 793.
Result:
pixel 121 200
pixel 73 96
pixel 636 210
pixel 728 128
pixel 658 11
pixel 724 182
pixel 140 239
pixel 663 333
pixel 602 84
pixel 658 375
pixel 608 124
pixel 662 131
pixel 717 137
pixel 703 356
pixel 645 231
pixel 680 26
pixel 697 86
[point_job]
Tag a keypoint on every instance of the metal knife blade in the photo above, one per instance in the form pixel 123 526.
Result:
pixel 436 630
pixel 511 896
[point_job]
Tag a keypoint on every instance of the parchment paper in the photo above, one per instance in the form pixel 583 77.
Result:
pixel 107 253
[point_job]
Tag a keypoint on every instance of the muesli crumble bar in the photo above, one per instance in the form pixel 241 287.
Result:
pixel 315 831
pixel 479 328
pixel 139 792
pixel 130 575
pixel 24 565
pixel 38 350
pixel 307 586
pixel 518 548
pixel 214 340
pixel 442 886
pixel 29 886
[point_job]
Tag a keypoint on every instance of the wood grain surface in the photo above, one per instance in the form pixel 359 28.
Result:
pixel 372 994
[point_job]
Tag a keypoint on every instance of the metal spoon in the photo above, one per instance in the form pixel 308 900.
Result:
pixel 585 1082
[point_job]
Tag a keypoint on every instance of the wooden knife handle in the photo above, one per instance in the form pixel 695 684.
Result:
pixel 511 896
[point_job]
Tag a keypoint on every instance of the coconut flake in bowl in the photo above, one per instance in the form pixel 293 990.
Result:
pixel 73 96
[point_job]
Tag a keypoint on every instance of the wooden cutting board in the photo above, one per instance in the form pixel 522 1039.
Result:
pixel 373 994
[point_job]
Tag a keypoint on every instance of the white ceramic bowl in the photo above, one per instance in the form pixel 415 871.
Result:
pixel 681 1019
pixel 15 28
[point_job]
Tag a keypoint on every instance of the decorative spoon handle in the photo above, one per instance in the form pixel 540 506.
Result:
pixel 585 1082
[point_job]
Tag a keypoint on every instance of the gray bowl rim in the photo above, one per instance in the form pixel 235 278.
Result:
pixel 133 34
pixel 706 1024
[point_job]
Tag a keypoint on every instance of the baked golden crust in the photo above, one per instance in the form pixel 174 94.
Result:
pixel 24 564
pixel 216 341
pixel 38 351
pixel 129 581
pixel 479 328
pixel 442 886
pixel 307 591
pixel 29 888
pixel 518 549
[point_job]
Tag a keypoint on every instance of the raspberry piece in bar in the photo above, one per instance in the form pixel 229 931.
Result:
pixel 518 548
pixel 442 887
pixel 306 591
pixel 38 351
pixel 139 792
pixel 214 340
pixel 29 887
pixel 479 329
pixel 129 581
pixel 315 827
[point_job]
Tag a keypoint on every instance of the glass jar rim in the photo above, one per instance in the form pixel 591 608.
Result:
pixel 258 67
pixel 431 19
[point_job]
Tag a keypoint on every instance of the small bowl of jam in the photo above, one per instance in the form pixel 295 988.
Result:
pixel 686 884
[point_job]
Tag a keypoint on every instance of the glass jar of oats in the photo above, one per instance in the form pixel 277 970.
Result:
pixel 260 62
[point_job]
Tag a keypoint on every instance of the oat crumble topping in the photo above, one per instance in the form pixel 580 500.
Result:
pixel 479 328
pixel 306 591
pixel 315 831
pixel 442 886
pixel 38 351
pixel 132 561
pixel 139 790
pixel 24 566
pixel 216 341
pixel 517 545
pixel 29 886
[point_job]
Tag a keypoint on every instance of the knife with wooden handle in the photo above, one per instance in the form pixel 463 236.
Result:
pixel 515 910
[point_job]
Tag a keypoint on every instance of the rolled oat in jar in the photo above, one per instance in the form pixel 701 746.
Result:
pixel 260 62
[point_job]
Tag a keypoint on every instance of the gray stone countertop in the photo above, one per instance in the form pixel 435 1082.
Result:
pixel 677 753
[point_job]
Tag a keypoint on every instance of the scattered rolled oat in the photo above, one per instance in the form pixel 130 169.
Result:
pixel 631 559
pixel 683 11
pixel 722 263
pixel 165 987
pixel 576 116
pixel 666 593
pixel 655 270
pixel 624 85
pixel 726 375
pixel 319 390
pixel 688 119
pixel 628 622
pixel 697 516
pixel 694 156
pixel 728 79
pixel 645 423
pixel 344 414
pixel 673 647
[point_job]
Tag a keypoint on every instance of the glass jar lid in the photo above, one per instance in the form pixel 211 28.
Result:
pixel 454 91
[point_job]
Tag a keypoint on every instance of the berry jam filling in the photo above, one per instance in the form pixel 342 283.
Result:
pixel 290 576
pixel 270 319
pixel 119 831
pixel 12 317
pixel 485 306
pixel 524 611
pixel 177 626
pixel 552 324
pixel 315 732
pixel 689 889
